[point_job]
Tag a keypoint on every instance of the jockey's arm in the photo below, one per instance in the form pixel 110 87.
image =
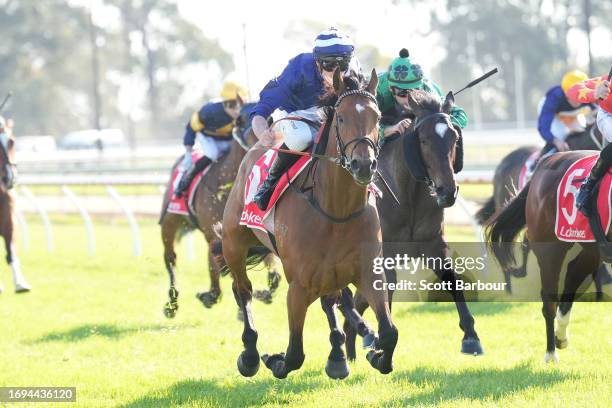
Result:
pixel 547 115
pixel 587 91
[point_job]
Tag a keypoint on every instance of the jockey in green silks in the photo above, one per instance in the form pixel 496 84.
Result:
pixel 392 94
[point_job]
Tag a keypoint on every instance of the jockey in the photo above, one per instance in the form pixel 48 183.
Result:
pixel 595 90
pixel 296 91
pixel 211 128
pixel 558 116
pixel 392 94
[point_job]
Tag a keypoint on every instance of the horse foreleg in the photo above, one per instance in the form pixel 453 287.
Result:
pixel 470 344
pixel 577 271
pixel 213 296
pixel 283 363
pixel 550 268
pixel 168 232
pixel 235 256
pixel 353 309
pixel 21 285
pixel 336 366
pixel 381 357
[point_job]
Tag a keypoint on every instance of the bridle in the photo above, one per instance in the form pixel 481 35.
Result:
pixel 342 159
pixel 431 185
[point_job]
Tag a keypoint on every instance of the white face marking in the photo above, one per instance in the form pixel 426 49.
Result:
pixel 360 108
pixel 441 129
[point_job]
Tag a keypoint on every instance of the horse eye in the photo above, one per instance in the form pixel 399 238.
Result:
pixel 340 119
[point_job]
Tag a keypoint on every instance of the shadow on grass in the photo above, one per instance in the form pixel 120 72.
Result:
pixel 477 308
pixel 484 385
pixel 110 331
pixel 438 386
pixel 236 391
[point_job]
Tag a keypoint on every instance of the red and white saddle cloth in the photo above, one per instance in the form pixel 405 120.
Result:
pixel 179 205
pixel 571 225
pixel 252 216
pixel 525 174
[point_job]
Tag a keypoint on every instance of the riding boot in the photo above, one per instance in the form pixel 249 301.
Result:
pixel 190 174
pixel 584 201
pixel 281 164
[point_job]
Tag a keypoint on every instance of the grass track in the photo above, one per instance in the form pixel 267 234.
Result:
pixel 97 324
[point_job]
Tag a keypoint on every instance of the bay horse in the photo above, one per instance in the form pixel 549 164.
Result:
pixel 506 187
pixel 8 171
pixel 534 208
pixel 209 201
pixel 327 235
pixel 420 166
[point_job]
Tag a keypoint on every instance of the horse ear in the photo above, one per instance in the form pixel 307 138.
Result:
pixel 449 103
pixel 373 82
pixel 338 82
pixel 413 103
pixel 239 99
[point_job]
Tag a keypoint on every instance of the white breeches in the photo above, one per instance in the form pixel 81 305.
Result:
pixel 212 147
pixel 297 135
pixel 604 123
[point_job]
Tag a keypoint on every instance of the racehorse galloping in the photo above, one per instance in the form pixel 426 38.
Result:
pixel 327 237
pixel 506 187
pixel 420 165
pixel 535 208
pixel 7 208
pixel 209 202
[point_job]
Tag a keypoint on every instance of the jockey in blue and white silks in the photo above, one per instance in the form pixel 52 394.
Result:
pixel 295 92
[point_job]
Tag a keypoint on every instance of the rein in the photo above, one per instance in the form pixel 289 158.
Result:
pixel 340 159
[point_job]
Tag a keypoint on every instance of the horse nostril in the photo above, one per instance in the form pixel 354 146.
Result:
pixel 354 165
pixel 374 165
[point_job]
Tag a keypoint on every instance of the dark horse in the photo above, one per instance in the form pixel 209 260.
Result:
pixel 327 235
pixel 534 208
pixel 7 208
pixel 209 202
pixel 506 187
pixel 420 165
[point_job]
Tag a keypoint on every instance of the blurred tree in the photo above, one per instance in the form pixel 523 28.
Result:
pixel 158 43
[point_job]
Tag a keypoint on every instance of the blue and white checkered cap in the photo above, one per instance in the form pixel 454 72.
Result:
pixel 333 43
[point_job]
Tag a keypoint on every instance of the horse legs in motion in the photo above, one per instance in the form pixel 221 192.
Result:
pixel 6 230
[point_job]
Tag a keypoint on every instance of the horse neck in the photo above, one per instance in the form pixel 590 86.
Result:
pixel 335 190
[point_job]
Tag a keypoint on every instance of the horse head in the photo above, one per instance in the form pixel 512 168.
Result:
pixel 356 117
pixel 431 145
pixel 243 131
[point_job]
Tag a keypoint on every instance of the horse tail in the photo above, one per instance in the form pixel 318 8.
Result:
pixel 254 257
pixel 503 228
pixel 486 212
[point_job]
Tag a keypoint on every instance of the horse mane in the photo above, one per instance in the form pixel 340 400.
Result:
pixel 422 100
pixel 352 82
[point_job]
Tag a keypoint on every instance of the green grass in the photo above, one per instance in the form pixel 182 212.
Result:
pixel 96 323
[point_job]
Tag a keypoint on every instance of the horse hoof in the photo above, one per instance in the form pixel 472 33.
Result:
pixel 245 369
pixel 170 310
pixel 337 370
pixel 274 279
pixel 276 363
pixel 471 346
pixel 551 357
pixel 369 341
pixel 22 288
pixel 264 296
pixel 375 358
pixel 208 299
pixel 561 344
